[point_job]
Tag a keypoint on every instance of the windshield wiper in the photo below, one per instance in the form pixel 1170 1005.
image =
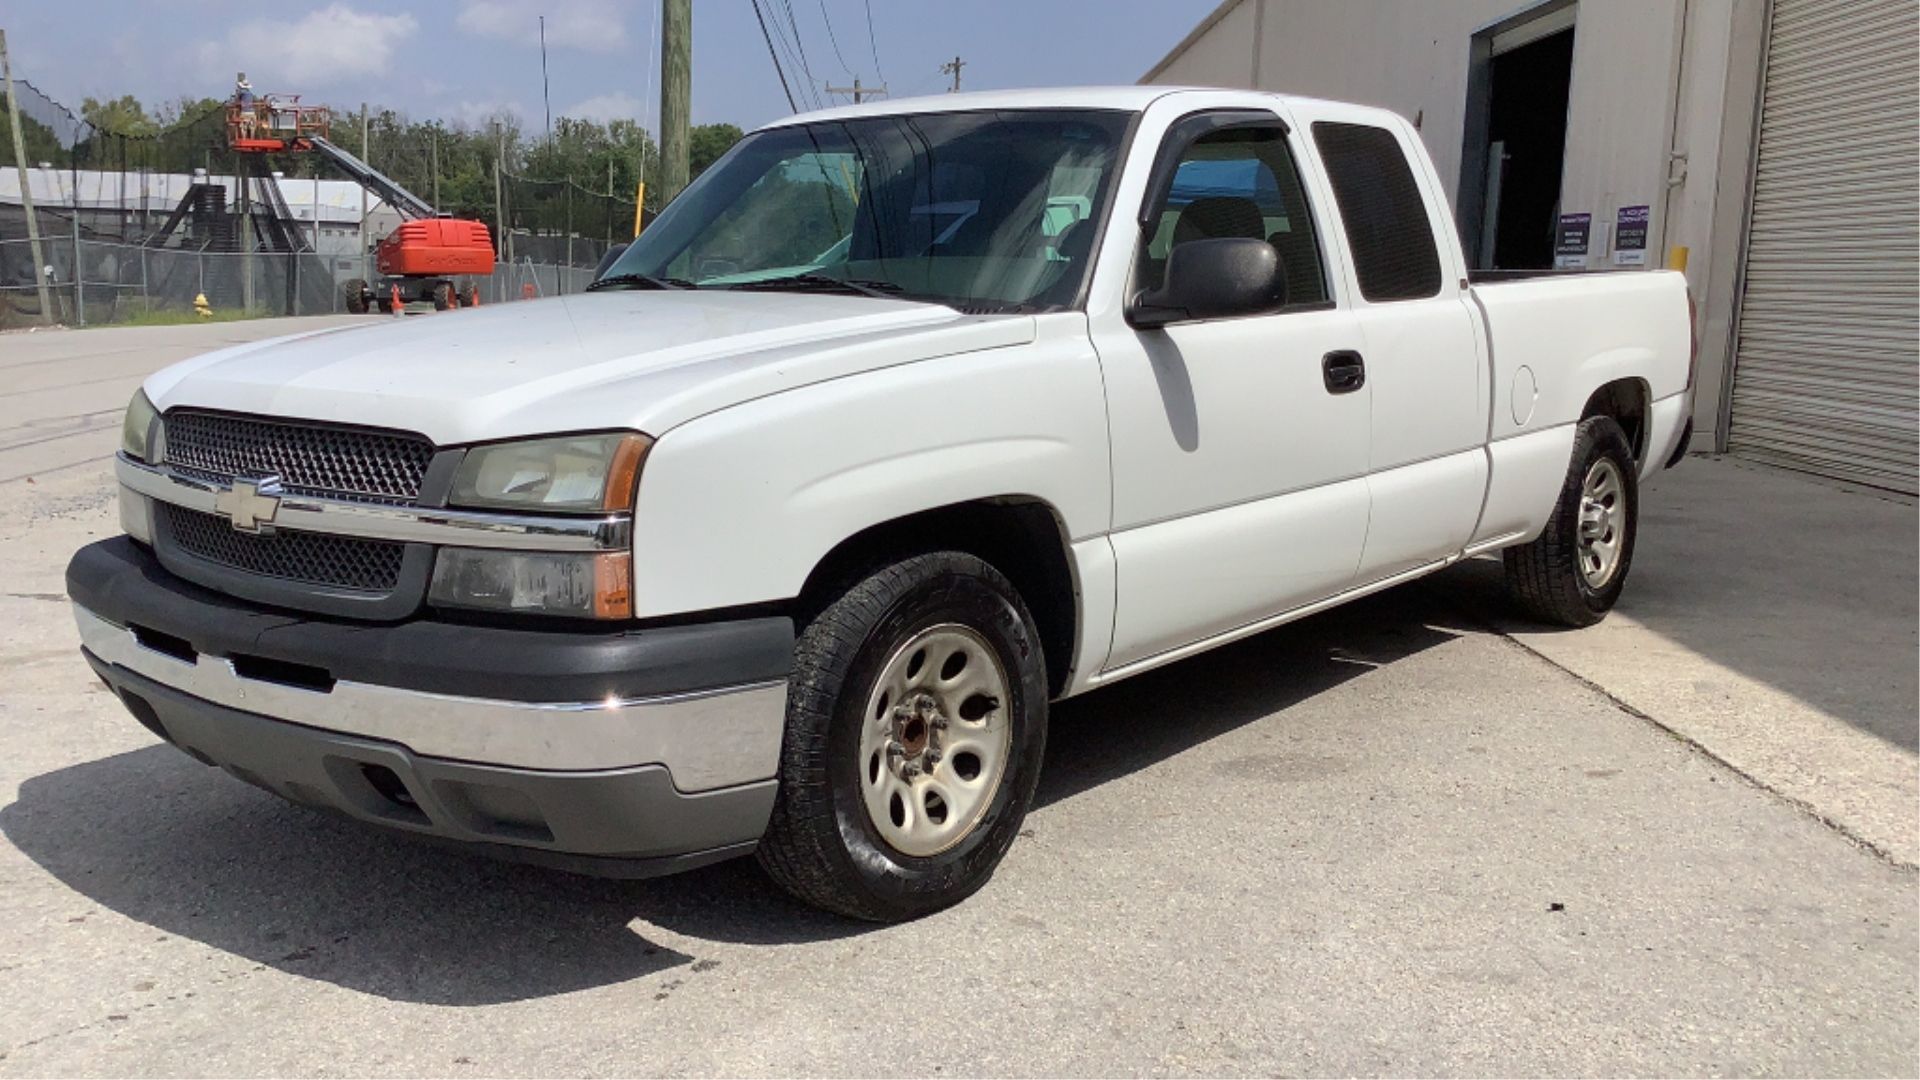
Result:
pixel 883 290
pixel 638 281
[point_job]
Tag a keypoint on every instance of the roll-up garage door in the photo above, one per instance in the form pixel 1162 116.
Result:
pixel 1827 365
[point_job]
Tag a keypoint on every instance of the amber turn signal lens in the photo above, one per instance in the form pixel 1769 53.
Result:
pixel 623 474
pixel 613 586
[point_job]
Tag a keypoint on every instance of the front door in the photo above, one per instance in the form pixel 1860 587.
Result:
pixel 1239 445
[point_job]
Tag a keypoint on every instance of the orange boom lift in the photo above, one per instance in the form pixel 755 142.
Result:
pixel 417 261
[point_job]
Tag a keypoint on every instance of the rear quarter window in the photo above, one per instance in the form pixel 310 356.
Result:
pixel 1381 209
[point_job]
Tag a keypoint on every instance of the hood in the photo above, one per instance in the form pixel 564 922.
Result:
pixel 617 359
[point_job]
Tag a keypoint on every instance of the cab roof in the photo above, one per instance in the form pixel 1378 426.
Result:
pixel 1126 98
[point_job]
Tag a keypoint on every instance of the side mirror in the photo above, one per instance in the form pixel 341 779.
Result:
pixel 1213 279
pixel 607 260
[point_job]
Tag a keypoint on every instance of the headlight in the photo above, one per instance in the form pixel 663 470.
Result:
pixel 595 586
pixel 571 473
pixel 137 428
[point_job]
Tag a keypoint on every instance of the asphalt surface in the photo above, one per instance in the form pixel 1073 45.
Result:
pixel 1389 839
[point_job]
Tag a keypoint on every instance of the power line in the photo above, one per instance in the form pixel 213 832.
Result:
pixel 647 102
pixel 834 41
pixel 799 46
pixel 873 47
pixel 808 93
pixel 784 49
pixel 774 56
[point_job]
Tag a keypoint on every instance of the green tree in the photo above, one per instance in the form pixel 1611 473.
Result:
pixel 41 143
pixel 706 142
pixel 123 115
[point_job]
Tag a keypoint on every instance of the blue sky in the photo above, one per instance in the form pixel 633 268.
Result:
pixel 462 60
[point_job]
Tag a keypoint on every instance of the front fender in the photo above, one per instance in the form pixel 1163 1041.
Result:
pixel 738 506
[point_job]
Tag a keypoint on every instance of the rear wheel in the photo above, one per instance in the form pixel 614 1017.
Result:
pixel 443 296
pixel 355 294
pixel 916 721
pixel 1572 574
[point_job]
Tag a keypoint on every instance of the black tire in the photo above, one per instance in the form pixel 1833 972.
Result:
pixel 1545 576
pixel 442 296
pixel 820 844
pixel 355 292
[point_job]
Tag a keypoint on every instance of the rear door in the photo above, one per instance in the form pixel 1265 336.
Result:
pixel 1426 460
pixel 1239 472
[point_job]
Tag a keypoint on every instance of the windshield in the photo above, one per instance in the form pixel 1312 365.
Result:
pixel 990 211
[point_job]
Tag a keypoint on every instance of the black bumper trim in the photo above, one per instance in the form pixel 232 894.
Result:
pixel 1680 450
pixel 628 822
pixel 123 582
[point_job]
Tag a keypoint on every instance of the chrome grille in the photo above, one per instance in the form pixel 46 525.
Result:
pixel 341 562
pixel 311 459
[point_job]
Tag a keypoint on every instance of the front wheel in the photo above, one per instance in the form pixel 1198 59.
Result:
pixel 1572 574
pixel 916 721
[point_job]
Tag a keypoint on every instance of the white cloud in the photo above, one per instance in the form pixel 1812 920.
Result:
pixel 478 114
pixel 592 25
pixel 607 107
pixel 286 55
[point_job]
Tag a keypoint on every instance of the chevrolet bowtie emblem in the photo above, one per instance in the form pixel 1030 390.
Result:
pixel 250 503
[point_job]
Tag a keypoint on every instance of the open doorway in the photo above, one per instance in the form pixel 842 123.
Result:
pixel 1516 137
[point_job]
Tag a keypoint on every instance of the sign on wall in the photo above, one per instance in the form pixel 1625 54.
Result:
pixel 1630 236
pixel 1571 235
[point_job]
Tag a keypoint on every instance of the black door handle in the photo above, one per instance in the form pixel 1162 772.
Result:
pixel 1345 371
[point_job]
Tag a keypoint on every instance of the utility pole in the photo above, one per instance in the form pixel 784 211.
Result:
pixel 545 98
pixel 676 94
pixel 499 201
pixel 26 190
pixel 366 154
pixel 860 93
pixel 243 183
pixel 952 67
pixel 434 142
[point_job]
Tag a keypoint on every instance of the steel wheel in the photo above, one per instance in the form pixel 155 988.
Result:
pixel 934 740
pixel 1603 523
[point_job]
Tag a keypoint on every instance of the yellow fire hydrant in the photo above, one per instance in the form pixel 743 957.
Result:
pixel 201 307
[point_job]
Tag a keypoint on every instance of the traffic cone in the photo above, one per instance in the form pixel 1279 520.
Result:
pixel 394 300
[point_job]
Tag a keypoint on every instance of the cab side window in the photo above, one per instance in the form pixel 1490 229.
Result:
pixel 1394 252
pixel 1239 182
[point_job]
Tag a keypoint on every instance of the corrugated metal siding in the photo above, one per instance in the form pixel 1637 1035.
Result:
pixel 1827 367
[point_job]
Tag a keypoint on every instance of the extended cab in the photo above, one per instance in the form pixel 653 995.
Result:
pixel 899 423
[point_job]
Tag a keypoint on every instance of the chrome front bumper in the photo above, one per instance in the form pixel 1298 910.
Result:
pixel 706 739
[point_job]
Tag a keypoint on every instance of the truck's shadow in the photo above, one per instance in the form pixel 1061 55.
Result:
pixel 159 839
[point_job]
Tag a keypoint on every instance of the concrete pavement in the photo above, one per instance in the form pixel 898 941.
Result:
pixel 62 392
pixel 1389 839
pixel 1774 620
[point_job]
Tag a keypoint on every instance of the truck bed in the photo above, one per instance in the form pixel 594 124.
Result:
pixel 1496 277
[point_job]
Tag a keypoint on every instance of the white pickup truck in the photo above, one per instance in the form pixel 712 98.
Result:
pixel 900 422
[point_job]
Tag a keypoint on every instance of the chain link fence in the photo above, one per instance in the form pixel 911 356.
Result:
pixel 93 282
pixel 103 196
